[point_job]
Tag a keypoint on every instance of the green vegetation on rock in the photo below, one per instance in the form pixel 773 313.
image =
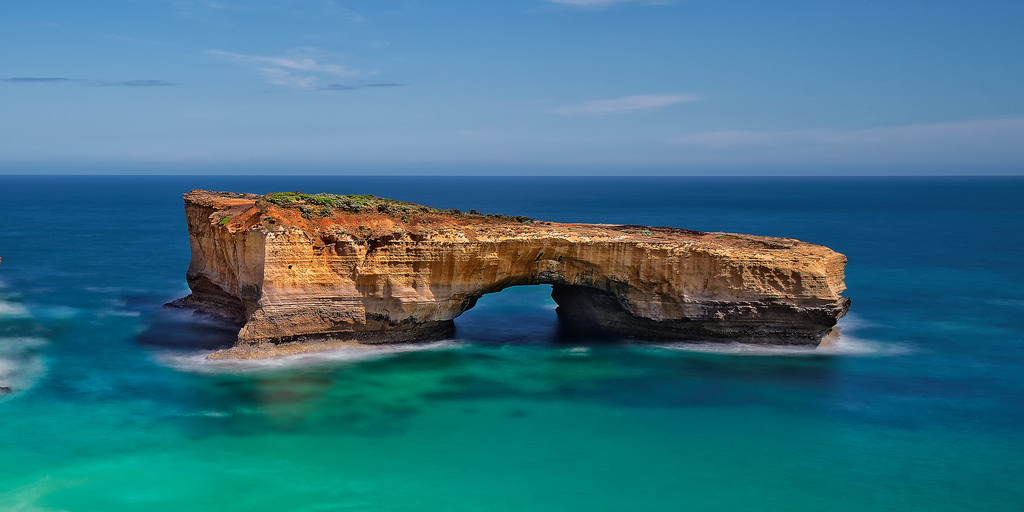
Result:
pixel 325 205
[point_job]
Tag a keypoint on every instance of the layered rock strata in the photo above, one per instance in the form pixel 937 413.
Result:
pixel 299 268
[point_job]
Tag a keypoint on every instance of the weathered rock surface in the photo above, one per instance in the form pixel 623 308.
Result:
pixel 377 271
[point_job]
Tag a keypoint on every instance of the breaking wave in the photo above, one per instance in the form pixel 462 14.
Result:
pixel 847 344
pixel 21 362
pixel 13 310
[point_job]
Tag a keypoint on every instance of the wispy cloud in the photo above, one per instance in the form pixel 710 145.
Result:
pixel 362 84
pixel 198 9
pixel 302 69
pixel 330 7
pixel 140 83
pixel 604 4
pixel 109 83
pixel 37 80
pixel 626 104
pixel 958 142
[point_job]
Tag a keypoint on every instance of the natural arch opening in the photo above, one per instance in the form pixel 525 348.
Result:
pixel 516 314
pixel 541 313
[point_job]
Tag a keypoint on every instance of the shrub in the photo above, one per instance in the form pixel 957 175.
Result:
pixel 325 205
pixel 283 198
pixel 322 200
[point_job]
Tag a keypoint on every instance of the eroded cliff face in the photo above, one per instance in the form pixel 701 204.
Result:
pixel 301 273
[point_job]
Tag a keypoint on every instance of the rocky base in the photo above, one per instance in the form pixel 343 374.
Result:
pixel 588 311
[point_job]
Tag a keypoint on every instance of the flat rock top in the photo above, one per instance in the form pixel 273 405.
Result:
pixel 369 217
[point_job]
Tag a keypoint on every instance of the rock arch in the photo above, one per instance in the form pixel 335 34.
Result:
pixel 375 278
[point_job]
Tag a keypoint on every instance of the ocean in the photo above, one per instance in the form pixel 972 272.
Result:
pixel 919 406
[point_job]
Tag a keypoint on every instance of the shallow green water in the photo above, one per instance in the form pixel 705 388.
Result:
pixel 918 408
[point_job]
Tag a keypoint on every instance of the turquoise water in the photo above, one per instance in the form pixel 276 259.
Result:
pixel 919 407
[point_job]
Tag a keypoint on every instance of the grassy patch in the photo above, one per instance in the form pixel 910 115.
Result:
pixel 325 205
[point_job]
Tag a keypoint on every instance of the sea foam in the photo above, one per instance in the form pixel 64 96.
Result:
pixel 196 361
pixel 847 344
pixel 21 363
pixel 13 310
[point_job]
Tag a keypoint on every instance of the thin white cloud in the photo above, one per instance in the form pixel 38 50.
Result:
pixel 299 69
pixel 626 105
pixel 330 7
pixel 981 141
pixel 604 4
pixel 66 80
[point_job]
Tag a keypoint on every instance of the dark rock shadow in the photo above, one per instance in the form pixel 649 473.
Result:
pixel 186 330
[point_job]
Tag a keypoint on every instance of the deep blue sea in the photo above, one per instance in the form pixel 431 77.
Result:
pixel 920 406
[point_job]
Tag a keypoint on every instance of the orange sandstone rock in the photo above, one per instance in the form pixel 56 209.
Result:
pixel 380 271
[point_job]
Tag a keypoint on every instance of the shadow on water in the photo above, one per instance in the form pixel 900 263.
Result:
pixel 517 331
pixel 182 329
pixel 511 350
pixel 626 375
pixel 297 402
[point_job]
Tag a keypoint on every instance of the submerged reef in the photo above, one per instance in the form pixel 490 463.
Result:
pixel 300 272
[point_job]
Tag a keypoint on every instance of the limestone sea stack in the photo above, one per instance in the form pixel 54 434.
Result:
pixel 297 270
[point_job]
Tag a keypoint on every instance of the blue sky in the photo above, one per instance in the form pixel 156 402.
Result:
pixel 700 87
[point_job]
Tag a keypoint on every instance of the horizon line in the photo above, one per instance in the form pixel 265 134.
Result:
pixel 130 175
